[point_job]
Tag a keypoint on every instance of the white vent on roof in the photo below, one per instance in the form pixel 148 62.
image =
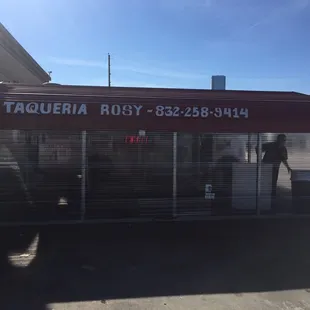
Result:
pixel 218 82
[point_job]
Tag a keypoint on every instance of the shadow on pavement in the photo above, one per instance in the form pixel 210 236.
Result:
pixel 79 263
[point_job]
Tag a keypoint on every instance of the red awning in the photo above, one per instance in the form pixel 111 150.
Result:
pixel 103 108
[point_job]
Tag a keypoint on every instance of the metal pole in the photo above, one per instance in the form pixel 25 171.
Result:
pixel 249 148
pixel 174 173
pixel 84 174
pixel 258 173
pixel 109 70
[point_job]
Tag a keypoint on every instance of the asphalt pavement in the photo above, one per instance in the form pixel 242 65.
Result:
pixel 210 265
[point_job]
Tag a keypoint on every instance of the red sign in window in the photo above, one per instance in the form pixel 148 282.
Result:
pixel 136 139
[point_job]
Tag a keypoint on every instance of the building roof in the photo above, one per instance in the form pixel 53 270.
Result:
pixel 153 93
pixel 16 62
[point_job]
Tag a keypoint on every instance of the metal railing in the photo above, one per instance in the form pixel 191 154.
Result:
pixel 40 184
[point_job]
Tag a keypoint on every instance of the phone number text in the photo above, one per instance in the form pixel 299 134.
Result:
pixel 199 112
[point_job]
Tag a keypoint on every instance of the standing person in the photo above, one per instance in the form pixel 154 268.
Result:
pixel 275 154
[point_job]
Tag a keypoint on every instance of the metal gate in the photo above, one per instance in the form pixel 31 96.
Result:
pixel 129 175
pixel 59 176
pixel 217 175
pixel 41 176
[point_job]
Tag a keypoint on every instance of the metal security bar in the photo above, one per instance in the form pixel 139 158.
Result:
pixel 291 190
pixel 112 176
pixel 130 175
pixel 258 173
pixel 83 174
pixel 175 173
pixel 40 176
pixel 217 176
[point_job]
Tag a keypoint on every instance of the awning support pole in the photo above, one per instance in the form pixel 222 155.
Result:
pixel 83 174
pixel 258 173
pixel 174 174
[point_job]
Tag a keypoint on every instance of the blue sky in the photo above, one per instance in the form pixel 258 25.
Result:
pixel 260 45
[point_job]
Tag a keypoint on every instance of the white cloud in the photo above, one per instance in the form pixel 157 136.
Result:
pixel 271 83
pixel 77 62
pixel 261 15
pixel 126 83
pixel 159 72
pixel 302 4
pixel 288 8
pixel 183 4
pixel 149 71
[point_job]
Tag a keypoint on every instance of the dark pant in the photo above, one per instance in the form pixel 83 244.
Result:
pixel 275 174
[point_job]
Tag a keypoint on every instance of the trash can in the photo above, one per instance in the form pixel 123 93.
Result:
pixel 301 191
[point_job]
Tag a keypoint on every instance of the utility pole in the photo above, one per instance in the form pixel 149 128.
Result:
pixel 109 70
